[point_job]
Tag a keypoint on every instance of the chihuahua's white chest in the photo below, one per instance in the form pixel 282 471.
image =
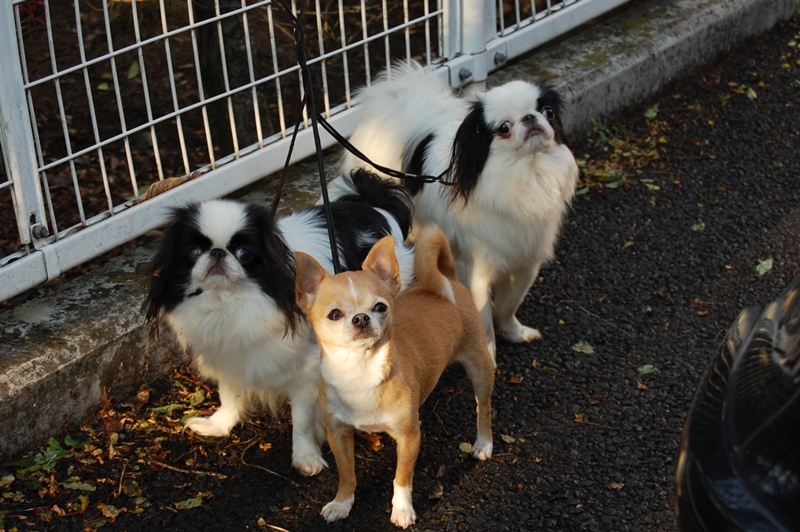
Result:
pixel 353 383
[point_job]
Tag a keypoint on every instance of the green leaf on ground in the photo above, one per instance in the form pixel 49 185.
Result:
pixel 583 347
pixel 197 397
pixel 188 504
pixel 652 112
pixel 80 486
pixel 647 369
pixel 167 409
pixel 764 266
pixel 699 227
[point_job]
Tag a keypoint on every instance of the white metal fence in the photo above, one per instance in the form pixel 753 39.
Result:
pixel 100 99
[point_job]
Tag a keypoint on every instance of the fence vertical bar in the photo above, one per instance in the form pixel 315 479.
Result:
pixel 16 135
pixel 474 22
pixel 451 28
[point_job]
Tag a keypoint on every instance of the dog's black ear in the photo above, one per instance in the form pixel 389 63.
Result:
pixel 275 270
pixel 169 271
pixel 470 152
pixel 551 98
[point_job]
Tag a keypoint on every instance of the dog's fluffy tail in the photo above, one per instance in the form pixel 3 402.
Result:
pixel 398 111
pixel 434 265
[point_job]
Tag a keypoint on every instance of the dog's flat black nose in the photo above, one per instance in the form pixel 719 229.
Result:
pixel 217 253
pixel 361 320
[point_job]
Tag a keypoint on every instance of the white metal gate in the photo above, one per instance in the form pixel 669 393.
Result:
pixel 101 99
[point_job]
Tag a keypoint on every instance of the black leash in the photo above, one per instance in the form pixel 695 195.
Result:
pixel 316 120
pixel 299 37
pixel 282 180
pixel 388 171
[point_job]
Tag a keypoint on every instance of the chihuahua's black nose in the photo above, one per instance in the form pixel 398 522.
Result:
pixel 217 253
pixel 361 320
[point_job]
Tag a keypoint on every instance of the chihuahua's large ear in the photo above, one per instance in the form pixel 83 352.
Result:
pixel 309 276
pixel 382 261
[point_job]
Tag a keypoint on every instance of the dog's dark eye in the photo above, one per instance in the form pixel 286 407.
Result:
pixel 335 314
pixel 548 112
pixel 195 253
pixel 243 255
pixel 504 129
pixel 380 308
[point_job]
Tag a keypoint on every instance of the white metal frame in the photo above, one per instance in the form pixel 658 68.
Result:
pixel 472 41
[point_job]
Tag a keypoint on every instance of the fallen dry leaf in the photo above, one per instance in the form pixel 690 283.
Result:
pixel 159 187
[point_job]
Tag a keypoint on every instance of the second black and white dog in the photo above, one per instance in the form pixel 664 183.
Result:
pixel 511 177
pixel 224 281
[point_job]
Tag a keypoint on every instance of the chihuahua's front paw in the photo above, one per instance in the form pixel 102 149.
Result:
pixel 403 514
pixel 333 511
pixel 482 450
pixel 310 465
pixel 514 331
pixel 403 517
pixel 209 426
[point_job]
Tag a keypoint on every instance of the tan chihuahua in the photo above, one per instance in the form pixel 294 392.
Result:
pixel 383 353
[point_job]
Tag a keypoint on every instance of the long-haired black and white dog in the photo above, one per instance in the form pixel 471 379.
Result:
pixel 510 181
pixel 223 279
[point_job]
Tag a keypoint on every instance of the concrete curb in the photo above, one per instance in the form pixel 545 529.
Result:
pixel 63 352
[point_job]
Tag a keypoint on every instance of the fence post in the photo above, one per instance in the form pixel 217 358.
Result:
pixel 451 28
pixel 16 136
pixel 469 26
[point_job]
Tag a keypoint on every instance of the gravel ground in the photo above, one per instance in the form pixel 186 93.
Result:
pixel 658 256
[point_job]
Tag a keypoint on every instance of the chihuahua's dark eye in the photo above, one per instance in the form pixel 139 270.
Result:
pixel 243 255
pixel 335 314
pixel 380 308
pixel 504 129
pixel 195 253
pixel 548 112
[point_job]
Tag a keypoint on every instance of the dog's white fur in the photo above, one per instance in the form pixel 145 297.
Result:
pixel 246 348
pixel 508 228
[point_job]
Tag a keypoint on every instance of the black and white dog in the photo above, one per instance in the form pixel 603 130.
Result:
pixel 223 279
pixel 510 181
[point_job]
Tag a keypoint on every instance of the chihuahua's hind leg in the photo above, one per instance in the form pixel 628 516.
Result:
pixel 340 440
pixel 480 369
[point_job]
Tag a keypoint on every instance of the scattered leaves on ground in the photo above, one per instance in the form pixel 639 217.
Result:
pixel 98 473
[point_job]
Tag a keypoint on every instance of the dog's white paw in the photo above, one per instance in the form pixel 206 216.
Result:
pixel 403 517
pixel 403 514
pixel 208 426
pixel 518 333
pixel 482 450
pixel 310 465
pixel 333 511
